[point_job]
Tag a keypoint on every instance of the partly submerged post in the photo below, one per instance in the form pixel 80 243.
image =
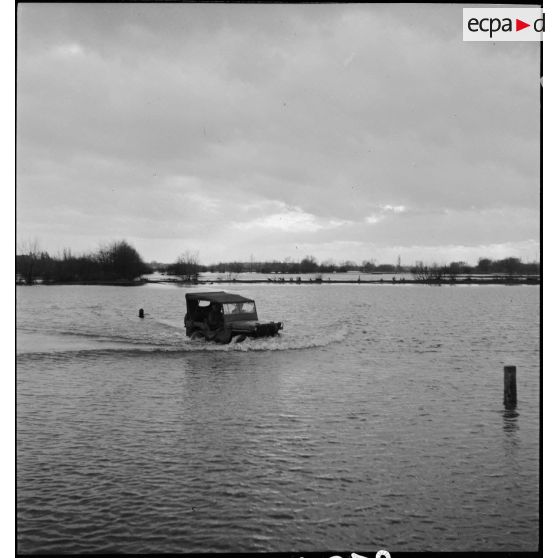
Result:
pixel 141 312
pixel 510 387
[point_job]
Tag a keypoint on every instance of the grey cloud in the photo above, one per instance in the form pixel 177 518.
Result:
pixel 127 112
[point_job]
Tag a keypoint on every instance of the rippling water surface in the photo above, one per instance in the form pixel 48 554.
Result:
pixel 374 421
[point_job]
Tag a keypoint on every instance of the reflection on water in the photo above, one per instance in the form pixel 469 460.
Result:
pixel 375 420
pixel 510 420
pixel 511 441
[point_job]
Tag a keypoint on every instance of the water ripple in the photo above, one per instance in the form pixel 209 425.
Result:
pixel 374 421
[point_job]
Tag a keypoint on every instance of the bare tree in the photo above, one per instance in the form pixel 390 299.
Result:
pixel 27 258
pixel 187 266
pixel 429 274
pixel 421 272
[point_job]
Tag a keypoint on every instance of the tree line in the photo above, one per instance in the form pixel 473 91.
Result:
pixel 507 266
pixel 116 262
pixel 119 261
pixel 187 266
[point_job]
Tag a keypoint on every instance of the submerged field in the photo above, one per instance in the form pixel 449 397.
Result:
pixel 374 421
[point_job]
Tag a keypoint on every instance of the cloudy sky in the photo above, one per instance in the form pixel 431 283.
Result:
pixel 275 131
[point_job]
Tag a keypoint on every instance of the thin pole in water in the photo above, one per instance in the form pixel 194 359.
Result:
pixel 510 387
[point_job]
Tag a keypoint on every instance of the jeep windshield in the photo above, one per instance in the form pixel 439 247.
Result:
pixel 239 308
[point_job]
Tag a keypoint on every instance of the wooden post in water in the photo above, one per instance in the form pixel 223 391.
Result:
pixel 140 313
pixel 510 387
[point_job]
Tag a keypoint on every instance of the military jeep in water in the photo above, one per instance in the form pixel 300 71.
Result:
pixel 221 316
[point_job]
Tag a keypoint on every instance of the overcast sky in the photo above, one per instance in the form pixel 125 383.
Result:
pixel 275 131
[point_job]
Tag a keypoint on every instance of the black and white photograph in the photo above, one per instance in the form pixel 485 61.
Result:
pixel 278 279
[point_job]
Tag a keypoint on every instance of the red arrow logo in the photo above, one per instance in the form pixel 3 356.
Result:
pixel 519 25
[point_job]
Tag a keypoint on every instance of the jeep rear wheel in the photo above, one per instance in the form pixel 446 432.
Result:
pixel 197 335
pixel 224 336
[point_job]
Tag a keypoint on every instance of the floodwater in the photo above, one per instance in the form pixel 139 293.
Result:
pixel 374 421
